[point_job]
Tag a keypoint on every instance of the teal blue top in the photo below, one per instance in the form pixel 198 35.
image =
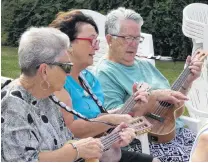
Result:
pixel 81 100
pixel 117 80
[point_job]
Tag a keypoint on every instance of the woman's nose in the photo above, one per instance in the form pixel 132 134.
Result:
pixel 134 43
pixel 97 47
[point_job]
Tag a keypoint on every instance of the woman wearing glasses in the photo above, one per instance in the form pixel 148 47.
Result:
pixel 82 32
pixel 32 126
pixel 119 69
pixel 83 87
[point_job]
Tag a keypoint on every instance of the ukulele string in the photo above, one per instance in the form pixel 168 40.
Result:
pixel 162 107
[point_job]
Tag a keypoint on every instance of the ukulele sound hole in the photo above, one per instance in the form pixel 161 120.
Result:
pixel 164 104
pixel 153 138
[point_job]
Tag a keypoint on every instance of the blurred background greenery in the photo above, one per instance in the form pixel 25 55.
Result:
pixel 162 19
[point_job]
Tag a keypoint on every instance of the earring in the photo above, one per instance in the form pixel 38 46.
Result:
pixel 42 83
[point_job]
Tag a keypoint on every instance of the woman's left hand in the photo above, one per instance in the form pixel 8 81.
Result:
pixel 126 135
pixel 140 91
pixel 195 68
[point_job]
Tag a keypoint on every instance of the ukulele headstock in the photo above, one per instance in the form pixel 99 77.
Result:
pixel 200 55
pixel 141 125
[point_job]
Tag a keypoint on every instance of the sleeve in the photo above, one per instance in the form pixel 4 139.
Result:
pixel 20 140
pixel 113 93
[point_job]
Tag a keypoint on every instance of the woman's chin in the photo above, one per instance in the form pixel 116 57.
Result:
pixel 129 61
pixel 90 63
pixel 59 88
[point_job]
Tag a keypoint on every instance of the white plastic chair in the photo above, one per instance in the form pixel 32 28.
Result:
pixel 195 26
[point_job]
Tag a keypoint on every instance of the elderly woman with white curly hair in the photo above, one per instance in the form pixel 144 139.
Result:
pixel 32 126
pixel 119 69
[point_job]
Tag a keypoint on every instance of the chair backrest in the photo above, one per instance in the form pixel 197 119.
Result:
pixel 195 26
pixel 195 23
pixel 198 95
pixel 145 48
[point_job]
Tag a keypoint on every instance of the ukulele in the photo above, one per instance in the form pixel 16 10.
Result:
pixel 127 107
pixel 163 115
pixel 130 102
pixel 139 124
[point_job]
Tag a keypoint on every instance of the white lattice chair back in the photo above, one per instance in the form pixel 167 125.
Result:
pixel 145 48
pixel 195 22
pixel 195 26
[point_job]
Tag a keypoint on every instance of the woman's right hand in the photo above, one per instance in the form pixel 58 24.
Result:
pixel 126 118
pixel 117 118
pixel 89 148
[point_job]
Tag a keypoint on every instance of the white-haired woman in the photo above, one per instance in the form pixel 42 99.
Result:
pixel 120 69
pixel 84 88
pixel 32 126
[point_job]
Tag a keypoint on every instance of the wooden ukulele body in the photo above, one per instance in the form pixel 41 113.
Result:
pixel 164 127
pixel 163 122
pixel 92 160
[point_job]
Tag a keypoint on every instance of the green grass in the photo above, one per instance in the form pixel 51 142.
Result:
pixel 10 68
pixel 9 62
pixel 170 70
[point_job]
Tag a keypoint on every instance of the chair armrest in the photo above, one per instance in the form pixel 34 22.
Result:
pixel 144 143
pixel 191 123
pixel 195 111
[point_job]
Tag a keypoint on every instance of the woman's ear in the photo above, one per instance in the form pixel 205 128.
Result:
pixel 109 39
pixel 43 71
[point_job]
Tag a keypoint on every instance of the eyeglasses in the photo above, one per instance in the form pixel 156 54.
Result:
pixel 94 42
pixel 130 39
pixel 66 67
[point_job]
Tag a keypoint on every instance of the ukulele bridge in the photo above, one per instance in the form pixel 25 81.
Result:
pixel 155 117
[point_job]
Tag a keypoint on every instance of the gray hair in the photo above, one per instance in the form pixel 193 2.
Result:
pixel 40 45
pixel 113 18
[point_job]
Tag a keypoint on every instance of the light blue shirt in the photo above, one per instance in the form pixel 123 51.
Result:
pixel 117 80
pixel 81 100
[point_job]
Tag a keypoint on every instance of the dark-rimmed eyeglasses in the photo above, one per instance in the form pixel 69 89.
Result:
pixel 66 67
pixel 130 39
pixel 94 42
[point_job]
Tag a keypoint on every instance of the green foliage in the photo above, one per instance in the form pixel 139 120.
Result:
pixel 162 18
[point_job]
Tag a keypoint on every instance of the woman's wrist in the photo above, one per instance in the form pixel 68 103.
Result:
pixel 186 85
pixel 77 151
pixel 154 94
pixel 64 154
